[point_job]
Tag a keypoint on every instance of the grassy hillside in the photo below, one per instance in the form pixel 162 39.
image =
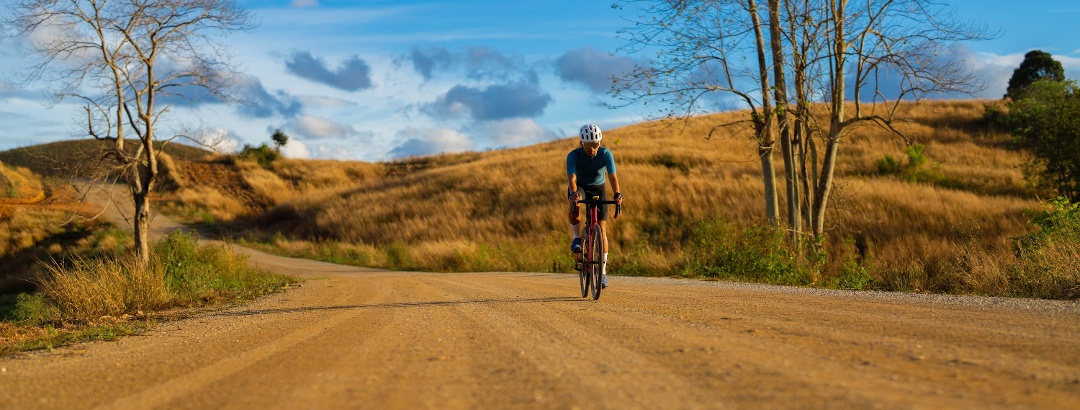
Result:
pixel 82 157
pixel 899 219
pixel 939 218
pixel 19 186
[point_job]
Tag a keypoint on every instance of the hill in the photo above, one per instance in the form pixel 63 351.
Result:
pixel 900 219
pixel 82 157
pixel 937 216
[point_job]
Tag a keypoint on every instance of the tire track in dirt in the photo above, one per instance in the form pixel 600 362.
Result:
pixel 165 393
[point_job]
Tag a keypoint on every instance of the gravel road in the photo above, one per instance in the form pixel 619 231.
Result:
pixel 360 338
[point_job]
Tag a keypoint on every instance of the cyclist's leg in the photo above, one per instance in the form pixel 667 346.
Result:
pixel 575 226
pixel 603 214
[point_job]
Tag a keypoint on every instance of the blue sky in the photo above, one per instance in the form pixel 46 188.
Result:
pixel 376 80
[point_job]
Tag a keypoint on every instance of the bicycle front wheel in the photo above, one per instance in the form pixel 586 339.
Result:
pixel 596 250
pixel 583 277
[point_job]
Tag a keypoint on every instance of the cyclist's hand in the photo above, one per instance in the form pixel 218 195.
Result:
pixel 574 198
pixel 619 197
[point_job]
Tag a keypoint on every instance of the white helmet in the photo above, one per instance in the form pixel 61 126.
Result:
pixel 590 133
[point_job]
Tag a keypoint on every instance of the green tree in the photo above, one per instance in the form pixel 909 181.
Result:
pixel 1046 123
pixel 280 139
pixel 1038 65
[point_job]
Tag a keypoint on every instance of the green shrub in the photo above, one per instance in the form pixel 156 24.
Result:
pixel 717 248
pixel 262 154
pixel 1047 258
pixel 33 310
pixel 196 274
pixel 888 165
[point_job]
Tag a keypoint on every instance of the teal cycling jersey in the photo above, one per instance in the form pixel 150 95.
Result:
pixel 590 170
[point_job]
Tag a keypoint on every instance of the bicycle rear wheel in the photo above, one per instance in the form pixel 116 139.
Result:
pixel 596 251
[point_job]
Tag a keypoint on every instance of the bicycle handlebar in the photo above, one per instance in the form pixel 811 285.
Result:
pixel 618 208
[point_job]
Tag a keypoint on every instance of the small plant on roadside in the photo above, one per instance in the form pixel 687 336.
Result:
pixel 720 249
pixel 33 310
pixel 1047 258
pixel 196 274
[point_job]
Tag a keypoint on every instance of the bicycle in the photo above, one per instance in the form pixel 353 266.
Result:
pixel 592 247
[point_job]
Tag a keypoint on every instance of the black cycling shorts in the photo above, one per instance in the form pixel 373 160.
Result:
pixel 589 191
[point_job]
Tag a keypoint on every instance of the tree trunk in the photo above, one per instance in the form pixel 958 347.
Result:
pixel 794 215
pixel 142 228
pixel 764 125
pixel 824 184
pixel 836 120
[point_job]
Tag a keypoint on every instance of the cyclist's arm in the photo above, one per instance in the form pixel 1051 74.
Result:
pixel 614 186
pixel 571 183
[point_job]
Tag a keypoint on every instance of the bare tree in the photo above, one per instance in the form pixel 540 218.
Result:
pixel 124 60
pixel 701 49
pixel 878 54
pixel 873 55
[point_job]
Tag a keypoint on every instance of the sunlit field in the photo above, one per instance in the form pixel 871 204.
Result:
pixel 942 222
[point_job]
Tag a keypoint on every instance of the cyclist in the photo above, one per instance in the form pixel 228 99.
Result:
pixel 587 168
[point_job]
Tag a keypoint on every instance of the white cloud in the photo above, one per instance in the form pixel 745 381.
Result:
pixel 513 132
pixel 332 152
pixel 322 101
pixel 419 142
pixel 318 127
pixel 995 70
pixel 295 149
pixel 218 139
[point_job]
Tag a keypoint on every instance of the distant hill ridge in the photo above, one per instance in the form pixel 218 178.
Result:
pixel 82 157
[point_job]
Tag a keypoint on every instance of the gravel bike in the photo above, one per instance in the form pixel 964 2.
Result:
pixel 592 247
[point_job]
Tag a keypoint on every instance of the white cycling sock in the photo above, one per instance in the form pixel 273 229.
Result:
pixel 574 230
pixel 603 265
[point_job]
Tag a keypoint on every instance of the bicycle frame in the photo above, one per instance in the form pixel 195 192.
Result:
pixel 592 242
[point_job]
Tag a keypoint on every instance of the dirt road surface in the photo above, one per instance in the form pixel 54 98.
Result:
pixel 360 338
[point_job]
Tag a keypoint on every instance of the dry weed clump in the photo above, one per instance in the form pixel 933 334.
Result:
pixel 89 289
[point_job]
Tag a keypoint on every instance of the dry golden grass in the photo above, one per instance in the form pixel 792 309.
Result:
pixel 505 209
pixel 219 206
pixel 93 288
pixel 19 186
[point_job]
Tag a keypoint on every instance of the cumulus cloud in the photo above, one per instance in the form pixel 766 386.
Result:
pixel 318 127
pixel 332 152
pixel 593 68
pixel 512 132
pixel 995 70
pixel 426 60
pixel 218 139
pixel 295 149
pixel 477 63
pixel 419 142
pixel 260 103
pixel 496 102
pixel 353 75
